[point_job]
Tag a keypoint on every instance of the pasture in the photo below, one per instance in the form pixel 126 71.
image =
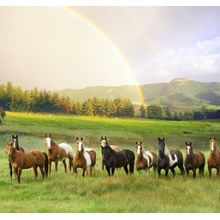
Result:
pixel 138 193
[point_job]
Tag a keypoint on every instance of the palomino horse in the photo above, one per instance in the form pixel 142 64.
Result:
pixel 84 158
pixel 104 143
pixel 145 159
pixel 194 160
pixel 58 152
pixel 169 159
pixel 17 147
pixel 21 160
pixel 113 159
pixel 214 157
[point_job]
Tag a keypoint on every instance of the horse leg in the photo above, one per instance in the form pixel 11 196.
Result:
pixel 126 169
pixel 84 170
pixel 16 172
pixel 173 171
pixel 42 172
pixel 75 170
pixel 187 172
pixel 113 171
pixel 35 172
pixel 49 165
pixel 10 168
pixel 19 174
pixel 210 171
pixel 56 165
pixel 201 171
pixel 70 163
pixel 194 172
pixel 159 171
pixel 65 167
pixel 166 172
pixel 181 168
pixel 90 171
pixel 108 170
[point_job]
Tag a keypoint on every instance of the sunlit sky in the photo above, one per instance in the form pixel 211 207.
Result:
pixel 59 47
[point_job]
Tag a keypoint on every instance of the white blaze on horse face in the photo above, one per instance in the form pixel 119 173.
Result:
pixel 48 142
pixel 80 146
pixel 103 143
pixel 14 143
pixel 138 149
pixel 188 150
pixel 212 146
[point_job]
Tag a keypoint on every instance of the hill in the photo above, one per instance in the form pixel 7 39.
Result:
pixel 180 92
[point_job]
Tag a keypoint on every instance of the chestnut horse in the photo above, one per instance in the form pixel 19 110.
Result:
pixel 194 160
pixel 17 147
pixel 145 159
pixel 21 160
pixel 84 158
pixel 56 153
pixel 214 157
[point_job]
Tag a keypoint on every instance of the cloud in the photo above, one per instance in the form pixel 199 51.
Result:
pixel 196 61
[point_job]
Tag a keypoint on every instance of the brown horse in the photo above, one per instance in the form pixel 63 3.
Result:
pixel 21 160
pixel 145 159
pixel 56 153
pixel 84 158
pixel 214 157
pixel 194 160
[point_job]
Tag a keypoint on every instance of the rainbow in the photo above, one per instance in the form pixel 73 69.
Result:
pixel 109 41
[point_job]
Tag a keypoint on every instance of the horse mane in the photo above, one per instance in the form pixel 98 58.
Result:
pixel 166 150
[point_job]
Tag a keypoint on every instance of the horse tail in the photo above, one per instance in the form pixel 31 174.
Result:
pixel 46 163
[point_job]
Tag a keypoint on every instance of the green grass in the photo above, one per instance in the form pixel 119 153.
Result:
pixel 138 193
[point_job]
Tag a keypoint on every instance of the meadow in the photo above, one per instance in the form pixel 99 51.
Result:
pixel 142 192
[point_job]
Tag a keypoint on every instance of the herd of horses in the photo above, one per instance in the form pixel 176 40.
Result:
pixel 112 158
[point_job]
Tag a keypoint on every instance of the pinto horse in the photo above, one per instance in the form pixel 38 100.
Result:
pixel 84 158
pixel 104 143
pixel 194 160
pixel 145 159
pixel 21 160
pixel 113 159
pixel 169 159
pixel 17 147
pixel 214 157
pixel 58 152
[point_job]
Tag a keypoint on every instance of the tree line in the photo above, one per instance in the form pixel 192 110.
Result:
pixel 13 98
pixel 164 113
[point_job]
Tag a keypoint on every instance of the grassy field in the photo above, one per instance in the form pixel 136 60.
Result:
pixel 138 193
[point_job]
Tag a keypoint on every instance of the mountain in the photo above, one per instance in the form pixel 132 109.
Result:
pixel 181 92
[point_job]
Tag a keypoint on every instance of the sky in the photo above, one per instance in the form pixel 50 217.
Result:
pixel 75 47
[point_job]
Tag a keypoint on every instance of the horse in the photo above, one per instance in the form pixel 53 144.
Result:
pixel 194 160
pixel 145 159
pixel 113 159
pixel 169 159
pixel 17 147
pixel 58 152
pixel 21 160
pixel 84 158
pixel 214 157
pixel 104 143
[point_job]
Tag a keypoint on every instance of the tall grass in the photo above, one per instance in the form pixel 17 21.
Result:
pixel 142 192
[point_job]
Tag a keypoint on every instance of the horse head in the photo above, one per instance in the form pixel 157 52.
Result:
pixel 48 141
pixel 212 145
pixel 107 153
pixel 161 146
pixel 104 142
pixel 80 145
pixel 15 141
pixel 139 149
pixel 189 149
pixel 10 150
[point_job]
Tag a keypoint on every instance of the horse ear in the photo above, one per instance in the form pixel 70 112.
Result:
pixel 81 138
pixel 105 138
pixel 136 142
pixel 77 138
pixel 186 144
pixel 101 137
pixel 13 136
pixel 16 135
pixel 163 139
pixel 158 139
pixel 141 142
pixel 190 143
pixel 50 135
pixel 214 138
pixel 46 135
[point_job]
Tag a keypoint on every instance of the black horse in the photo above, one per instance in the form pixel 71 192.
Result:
pixel 169 159
pixel 113 159
pixel 15 143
